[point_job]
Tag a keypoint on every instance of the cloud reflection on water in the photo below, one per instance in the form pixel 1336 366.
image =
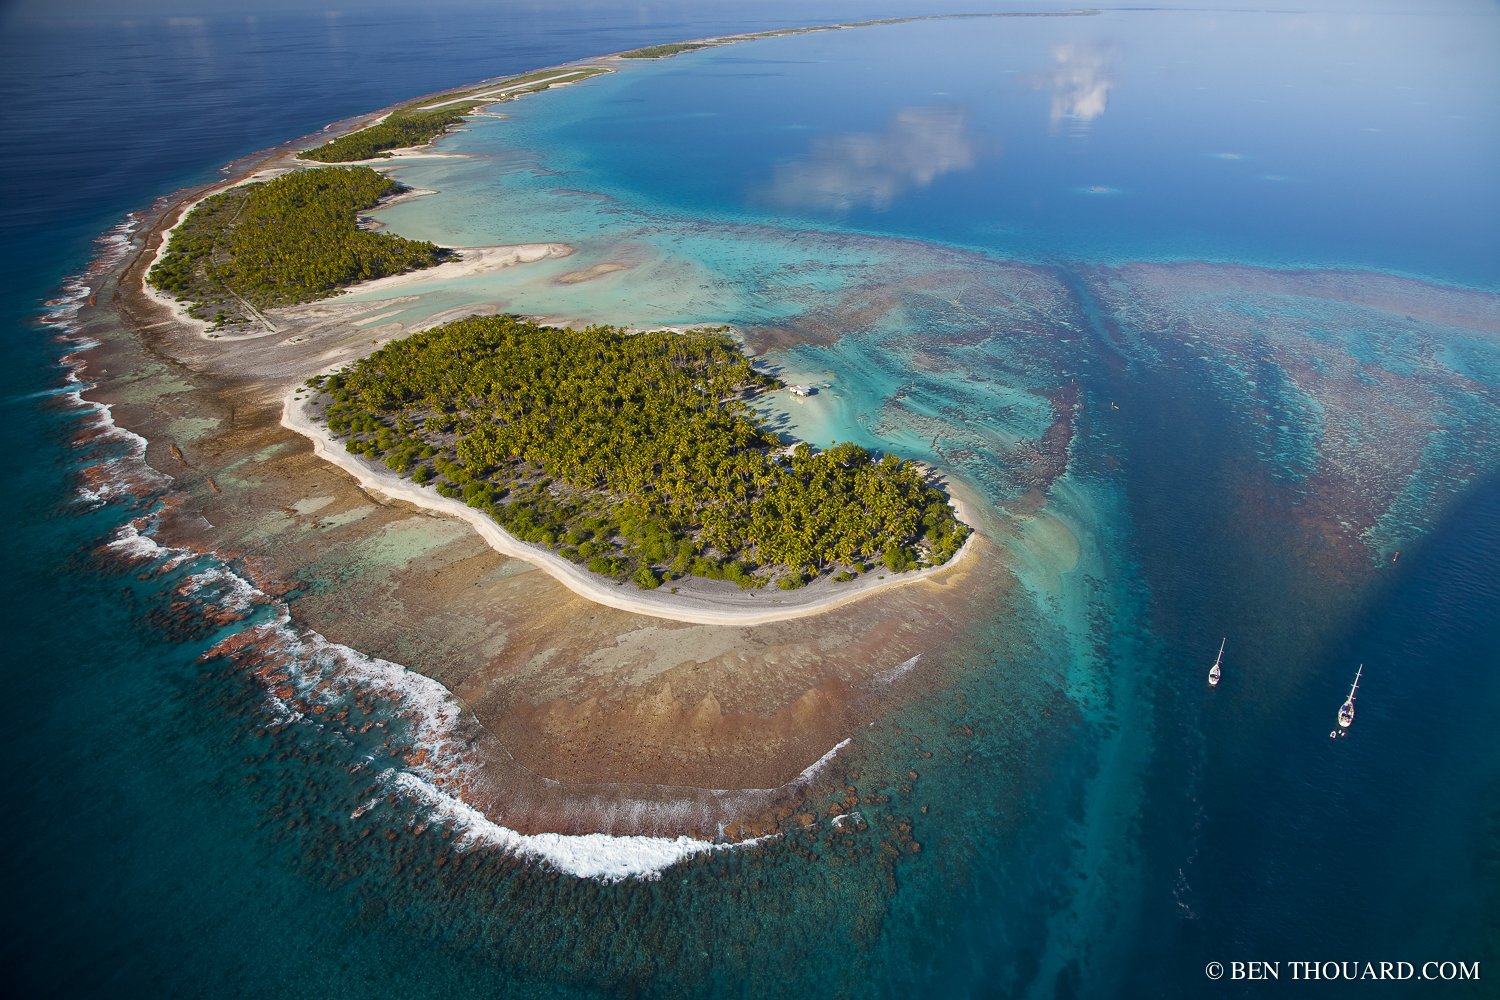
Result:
pixel 865 170
pixel 1079 80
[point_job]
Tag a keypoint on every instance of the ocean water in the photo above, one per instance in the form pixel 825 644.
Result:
pixel 971 229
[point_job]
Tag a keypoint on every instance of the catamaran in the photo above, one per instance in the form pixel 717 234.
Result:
pixel 1346 710
pixel 1213 671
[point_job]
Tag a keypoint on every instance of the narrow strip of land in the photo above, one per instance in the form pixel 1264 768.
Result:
pixel 485 95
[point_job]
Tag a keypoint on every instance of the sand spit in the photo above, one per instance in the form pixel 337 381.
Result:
pixel 471 261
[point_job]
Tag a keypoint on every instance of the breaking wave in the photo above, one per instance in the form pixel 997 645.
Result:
pixel 309 680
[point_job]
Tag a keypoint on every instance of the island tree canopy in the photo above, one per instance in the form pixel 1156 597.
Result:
pixel 292 239
pixel 635 454
pixel 396 131
pixel 424 121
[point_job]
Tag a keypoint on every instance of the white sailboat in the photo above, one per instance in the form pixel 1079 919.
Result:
pixel 1346 710
pixel 1213 671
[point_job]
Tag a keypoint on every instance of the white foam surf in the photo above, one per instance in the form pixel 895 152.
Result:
pixel 600 856
pixel 821 762
pixel 114 476
pixel 898 671
pixel 323 673
pixel 231 592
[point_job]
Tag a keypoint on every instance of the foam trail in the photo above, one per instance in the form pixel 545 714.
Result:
pixel 899 670
pixel 601 856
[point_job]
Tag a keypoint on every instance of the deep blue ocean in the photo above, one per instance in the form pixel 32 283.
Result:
pixel 1112 829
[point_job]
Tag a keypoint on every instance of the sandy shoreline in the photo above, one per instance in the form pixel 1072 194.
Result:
pixel 469 261
pixel 728 607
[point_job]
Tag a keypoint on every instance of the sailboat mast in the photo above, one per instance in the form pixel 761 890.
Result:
pixel 1220 658
pixel 1357 674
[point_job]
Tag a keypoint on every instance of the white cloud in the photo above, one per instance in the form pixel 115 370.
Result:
pixel 1079 80
pixel 865 170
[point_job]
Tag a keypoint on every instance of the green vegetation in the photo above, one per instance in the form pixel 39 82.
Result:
pixel 397 130
pixel 663 51
pixel 635 455
pixel 419 123
pixel 292 239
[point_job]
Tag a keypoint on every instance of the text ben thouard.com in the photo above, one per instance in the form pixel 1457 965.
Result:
pixel 1324 971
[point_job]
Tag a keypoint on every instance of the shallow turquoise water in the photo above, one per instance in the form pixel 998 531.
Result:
pixel 1153 135
pixel 1099 824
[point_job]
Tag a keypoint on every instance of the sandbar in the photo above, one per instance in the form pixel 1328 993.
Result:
pixel 590 273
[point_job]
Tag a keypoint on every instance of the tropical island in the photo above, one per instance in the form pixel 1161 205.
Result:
pixel 289 240
pixel 634 456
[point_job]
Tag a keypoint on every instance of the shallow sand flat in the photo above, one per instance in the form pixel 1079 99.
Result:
pixel 589 274
pixel 471 261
